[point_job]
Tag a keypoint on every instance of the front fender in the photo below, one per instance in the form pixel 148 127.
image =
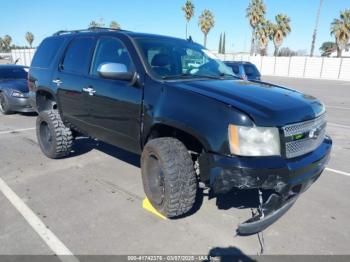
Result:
pixel 201 116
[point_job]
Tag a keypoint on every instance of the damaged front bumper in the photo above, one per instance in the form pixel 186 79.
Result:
pixel 285 178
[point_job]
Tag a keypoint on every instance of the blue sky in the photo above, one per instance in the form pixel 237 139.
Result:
pixel 166 17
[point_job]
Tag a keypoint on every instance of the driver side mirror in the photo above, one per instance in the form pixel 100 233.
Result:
pixel 115 71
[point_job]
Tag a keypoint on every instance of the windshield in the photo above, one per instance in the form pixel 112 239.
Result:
pixel 180 59
pixel 13 73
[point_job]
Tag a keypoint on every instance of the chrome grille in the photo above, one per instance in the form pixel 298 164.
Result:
pixel 314 131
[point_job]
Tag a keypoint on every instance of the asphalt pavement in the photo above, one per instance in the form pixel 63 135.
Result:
pixel 91 202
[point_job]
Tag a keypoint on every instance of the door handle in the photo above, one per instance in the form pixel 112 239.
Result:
pixel 57 81
pixel 89 90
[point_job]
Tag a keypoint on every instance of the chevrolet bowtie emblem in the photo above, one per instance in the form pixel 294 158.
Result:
pixel 314 133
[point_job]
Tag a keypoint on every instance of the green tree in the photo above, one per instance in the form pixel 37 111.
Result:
pixel 265 34
pixel 255 13
pixel 188 8
pixel 114 25
pixel 340 29
pixel 286 51
pixel 94 24
pixel 327 48
pixel 6 42
pixel 30 38
pixel 206 23
pixel 220 44
pixel 1 44
pixel 223 48
pixel 280 30
pixel 314 36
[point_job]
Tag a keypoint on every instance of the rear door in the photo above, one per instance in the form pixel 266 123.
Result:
pixel 71 78
pixel 114 105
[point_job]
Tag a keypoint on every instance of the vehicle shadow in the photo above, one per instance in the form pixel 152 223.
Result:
pixel 29 114
pixel 236 198
pixel 83 145
pixel 229 254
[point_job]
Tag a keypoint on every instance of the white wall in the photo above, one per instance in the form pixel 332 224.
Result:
pixel 298 66
pixel 25 56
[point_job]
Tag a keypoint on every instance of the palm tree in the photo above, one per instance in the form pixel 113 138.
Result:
pixel 280 30
pixel 6 41
pixel 188 8
pixel 114 25
pixel 206 23
pixel 264 33
pixel 94 24
pixel 316 27
pixel 340 28
pixel 30 38
pixel 327 48
pixel 255 13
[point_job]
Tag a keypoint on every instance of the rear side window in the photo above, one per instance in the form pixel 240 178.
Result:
pixel 46 52
pixel 78 55
pixel 251 71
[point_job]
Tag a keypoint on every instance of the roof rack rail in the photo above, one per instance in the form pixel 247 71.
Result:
pixel 90 29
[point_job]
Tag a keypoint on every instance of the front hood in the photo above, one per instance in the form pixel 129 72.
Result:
pixel 15 84
pixel 266 104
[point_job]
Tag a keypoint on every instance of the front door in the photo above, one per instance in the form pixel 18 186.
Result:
pixel 114 105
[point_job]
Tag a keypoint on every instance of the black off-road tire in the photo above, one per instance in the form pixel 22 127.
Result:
pixel 4 106
pixel 177 182
pixel 55 139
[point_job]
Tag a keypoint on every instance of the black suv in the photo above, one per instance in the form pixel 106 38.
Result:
pixel 194 123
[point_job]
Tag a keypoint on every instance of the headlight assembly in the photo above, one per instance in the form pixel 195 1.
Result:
pixel 16 93
pixel 254 141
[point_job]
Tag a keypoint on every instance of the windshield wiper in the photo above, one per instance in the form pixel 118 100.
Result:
pixel 229 75
pixel 186 75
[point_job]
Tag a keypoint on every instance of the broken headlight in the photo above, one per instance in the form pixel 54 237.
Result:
pixel 254 141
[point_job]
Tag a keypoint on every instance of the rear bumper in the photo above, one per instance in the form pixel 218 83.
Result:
pixel 285 178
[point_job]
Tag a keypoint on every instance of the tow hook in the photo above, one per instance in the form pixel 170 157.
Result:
pixel 268 213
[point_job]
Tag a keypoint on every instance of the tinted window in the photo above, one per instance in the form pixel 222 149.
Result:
pixel 235 69
pixel 251 71
pixel 77 57
pixel 46 52
pixel 110 50
pixel 179 59
pixel 13 73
